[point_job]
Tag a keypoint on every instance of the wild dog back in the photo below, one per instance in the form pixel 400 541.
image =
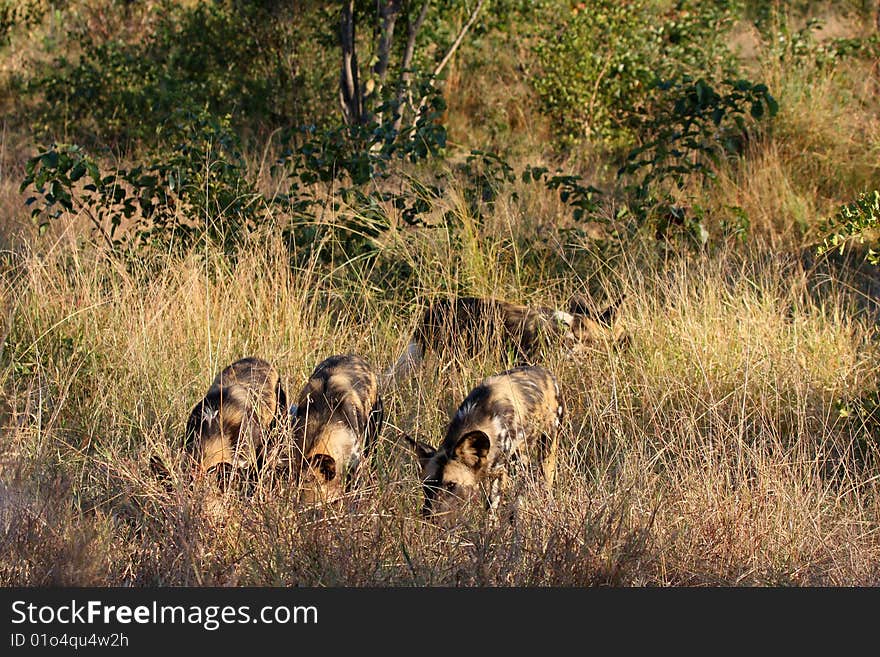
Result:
pixel 493 434
pixel 469 326
pixel 338 417
pixel 227 431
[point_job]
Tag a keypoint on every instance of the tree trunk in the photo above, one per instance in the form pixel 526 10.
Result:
pixel 388 12
pixel 350 96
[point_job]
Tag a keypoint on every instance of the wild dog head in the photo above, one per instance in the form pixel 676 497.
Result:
pixel 587 326
pixel 455 478
pixel 227 431
pixel 338 417
pixel 582 326
pixel 490 437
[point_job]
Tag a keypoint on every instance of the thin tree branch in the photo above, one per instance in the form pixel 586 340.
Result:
pixel 458 39
pixel 389 10
pixel 412 31
pixel 97 224
pixel 448 56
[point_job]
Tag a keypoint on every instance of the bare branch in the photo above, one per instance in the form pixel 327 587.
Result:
pixel 97 224
pixel 458 39
pixel 420 108
pixel 412 31
pixel 389 10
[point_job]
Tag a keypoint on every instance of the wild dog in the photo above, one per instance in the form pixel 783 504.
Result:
pixel 228 431
pixel 493 434
pixel 467 325
pixel 336 421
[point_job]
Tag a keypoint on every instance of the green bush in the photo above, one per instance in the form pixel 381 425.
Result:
pixel 599 64
pixel 695 126
pixel 853 221
pixel 196 188
pixel 228 57
pixel 18 13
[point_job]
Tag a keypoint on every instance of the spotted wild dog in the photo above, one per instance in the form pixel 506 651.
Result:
pixel 470 325
pixel 337 419
pixel 493 434
pixel 227 431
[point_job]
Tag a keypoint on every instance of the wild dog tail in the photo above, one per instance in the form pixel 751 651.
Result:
pixel 161 473
pixel 281 409
pixel 406 363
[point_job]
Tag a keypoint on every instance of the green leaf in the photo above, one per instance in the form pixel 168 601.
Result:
pixel 50 159
pixel 78 171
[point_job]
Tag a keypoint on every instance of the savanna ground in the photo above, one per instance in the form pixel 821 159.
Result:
pixel 731 442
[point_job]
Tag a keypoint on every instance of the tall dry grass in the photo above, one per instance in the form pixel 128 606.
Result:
pixel 718 447
pixel 821 150
pixel 711 450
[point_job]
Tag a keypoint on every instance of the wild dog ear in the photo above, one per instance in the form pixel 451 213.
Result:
pixel 582 305
pixel 423 451
pixel 281 411
pixel 193 424
pixel 324 465
pixel 159 470
pixel 606 317
pixel 472 448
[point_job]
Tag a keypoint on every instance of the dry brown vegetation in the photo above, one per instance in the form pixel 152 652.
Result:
pixel 718 448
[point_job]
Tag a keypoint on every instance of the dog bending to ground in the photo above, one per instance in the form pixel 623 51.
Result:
pixel 470 325
pixel 493 434
pixel 336 421
pixel 228 431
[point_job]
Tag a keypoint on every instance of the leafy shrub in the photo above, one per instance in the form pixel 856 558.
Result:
pixel 599 65
pixel 571 189
pixel 197 188
pixel 228 57
pixel 15 13
pixel 796 47
pixel 695 128
pixel 341 167
pixel 697 125
pixel 853 220
pixel 198 184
